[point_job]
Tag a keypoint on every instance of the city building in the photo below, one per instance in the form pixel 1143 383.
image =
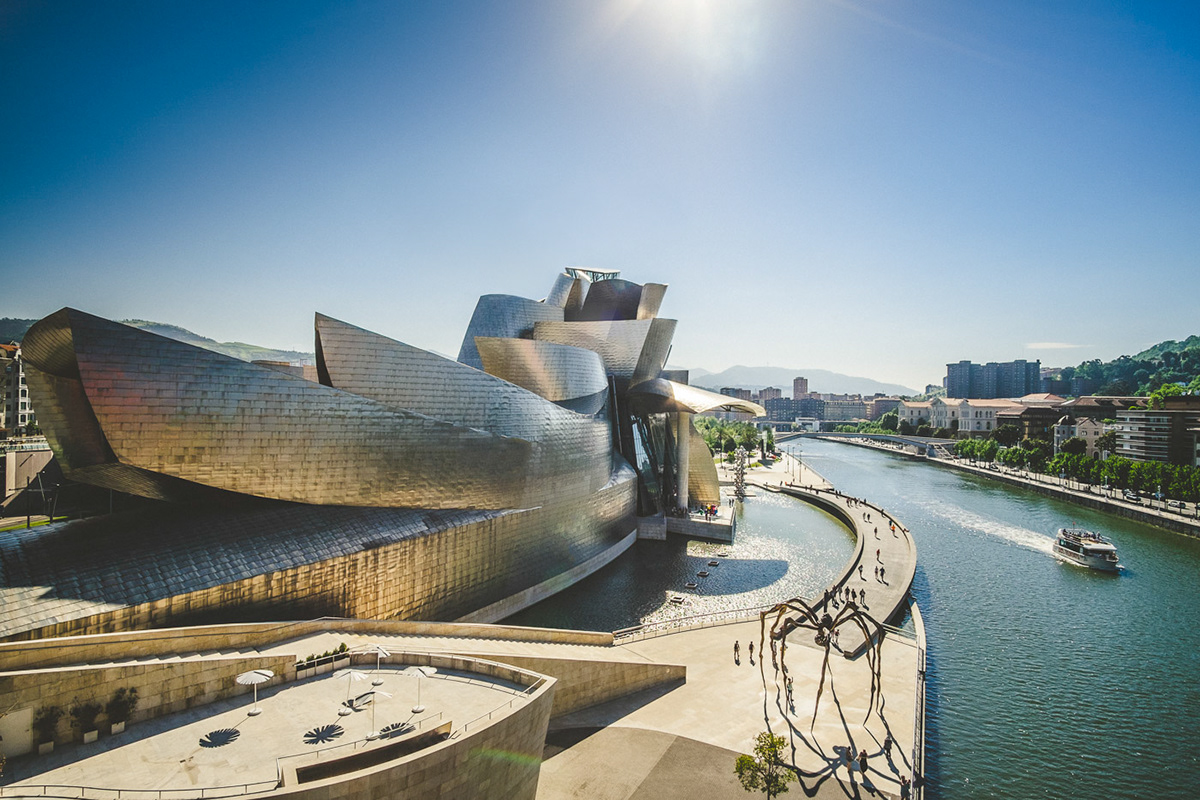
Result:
pixel 878 406
pixel 400 485
pixel 845 410
pixel 992 380
pixel 799 388
pixel 914 412
pixel 16 406
pixel 738 392
pixel 1169 434
pixel 1085 428
pixel 811 407
pixel 769 393
pixel 1100 407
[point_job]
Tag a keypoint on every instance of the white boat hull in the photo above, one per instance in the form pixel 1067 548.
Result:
pixel 1091 562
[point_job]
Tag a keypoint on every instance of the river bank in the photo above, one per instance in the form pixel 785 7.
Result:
pixel 1052 486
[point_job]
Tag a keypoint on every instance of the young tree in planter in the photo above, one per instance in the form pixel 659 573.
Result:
pixel 120 707
pixel 83 718
pixel 45 723
pixel 765 771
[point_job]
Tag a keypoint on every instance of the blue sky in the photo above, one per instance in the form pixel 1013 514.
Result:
pixel 874 188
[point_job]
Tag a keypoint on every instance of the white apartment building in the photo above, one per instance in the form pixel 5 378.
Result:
pixel 16 410
pixel 912 412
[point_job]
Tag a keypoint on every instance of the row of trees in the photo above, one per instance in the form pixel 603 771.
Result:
pixel 725 436
pixel 1176 481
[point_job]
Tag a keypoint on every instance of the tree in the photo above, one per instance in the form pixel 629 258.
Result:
pixel 905 428
pixel 1158 396
pixel 924 430
pixel 1073 446
pixel 765 771
pixel 889 421
pixel 1106 442
pixel 1007 435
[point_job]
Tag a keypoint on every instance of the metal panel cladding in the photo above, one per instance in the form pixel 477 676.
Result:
pixel 560 373
pixel 571 451
pixel 635 350
pixel 190 414
pixel 505 316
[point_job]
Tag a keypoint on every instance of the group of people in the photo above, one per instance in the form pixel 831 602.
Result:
pixel 845 595
pixel 710 512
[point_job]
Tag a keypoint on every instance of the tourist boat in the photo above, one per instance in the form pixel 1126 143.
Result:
pixel 1086 549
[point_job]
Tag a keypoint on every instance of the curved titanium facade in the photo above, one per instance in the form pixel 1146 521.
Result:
pixel 568 376
pixel 169 410
pixel 505 316
pixel 634 350
pixel 401 485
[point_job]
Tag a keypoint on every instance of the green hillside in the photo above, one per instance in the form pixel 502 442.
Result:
pixel 1168 362
pixel 13 330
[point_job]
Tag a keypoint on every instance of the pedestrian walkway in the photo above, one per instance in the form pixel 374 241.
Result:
pixel 683 741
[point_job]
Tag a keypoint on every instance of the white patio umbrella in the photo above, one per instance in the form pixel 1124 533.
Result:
pixel 352 676
pixel 418 673
pixel 380 652
pixel 374 734
pixel 253 678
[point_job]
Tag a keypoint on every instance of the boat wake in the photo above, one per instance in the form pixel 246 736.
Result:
pixel 1012 533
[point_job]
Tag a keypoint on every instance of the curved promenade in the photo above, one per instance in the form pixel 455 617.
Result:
pixel 882 542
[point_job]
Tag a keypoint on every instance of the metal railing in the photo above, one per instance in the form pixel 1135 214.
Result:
pixel 523 695
pixel 676 624
pixel 68 792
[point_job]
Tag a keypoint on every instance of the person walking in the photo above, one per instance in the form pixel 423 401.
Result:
pixel 881 574
pixel 877 551
pixel 752 652
pixel 862 597
pixel 860 572
pixel 887 746
pixel 737 650
pixel 862 761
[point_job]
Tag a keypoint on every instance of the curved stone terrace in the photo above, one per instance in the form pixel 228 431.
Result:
pixel 366 715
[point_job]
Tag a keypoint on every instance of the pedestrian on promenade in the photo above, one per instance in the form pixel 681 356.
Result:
pixel 877 550
pixel 881 574
pixel 849 756
pixel 905 788
pixel 887 746
pixel 862 597
pixel 835 639
pixel 737 651
pixel 877 573
pixel 876 531
pixel 862 761
pixel 752 652
pixel 860 572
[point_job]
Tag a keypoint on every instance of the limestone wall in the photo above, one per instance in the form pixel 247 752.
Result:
pixel 498 760
pixel 43 653
pixel 163 687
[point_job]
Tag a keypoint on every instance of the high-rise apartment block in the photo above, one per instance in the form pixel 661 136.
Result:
pixel 799 388
pixel 993 380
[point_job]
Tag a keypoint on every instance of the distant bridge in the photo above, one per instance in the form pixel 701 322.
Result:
pixel 921 445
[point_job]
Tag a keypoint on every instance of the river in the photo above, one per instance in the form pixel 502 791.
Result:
pixel 1044 679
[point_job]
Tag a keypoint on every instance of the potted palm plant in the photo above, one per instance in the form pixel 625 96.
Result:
pixel 83 719
pixel 120 708
pixel 45 724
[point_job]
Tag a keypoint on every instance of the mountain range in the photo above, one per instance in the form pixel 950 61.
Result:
pixel 819 380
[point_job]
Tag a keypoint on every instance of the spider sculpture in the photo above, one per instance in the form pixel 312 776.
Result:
pixel 795 614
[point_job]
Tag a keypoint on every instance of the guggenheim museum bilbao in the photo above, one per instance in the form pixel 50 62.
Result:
pixel 397 485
